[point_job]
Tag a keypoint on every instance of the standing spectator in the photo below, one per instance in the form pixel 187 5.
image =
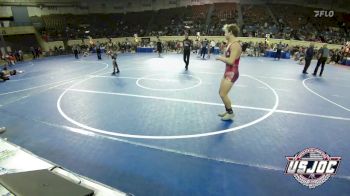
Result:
pixel 40 51
pixel 60 50
pixel 16 55
pixel 56 50
pixel 333 55
pixel 204 48
pixel 178 47
pixel 33 52
pixel 159 47
pixel 20 54
pixel 37 52
pixel 98 50
pixel 279 50
pixel 75 50
pixel 212 47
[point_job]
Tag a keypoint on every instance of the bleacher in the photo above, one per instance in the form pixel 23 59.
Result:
pixel 306 26
pixel 225 10
pixel 253 14
pixel 223 13
pixel 289 21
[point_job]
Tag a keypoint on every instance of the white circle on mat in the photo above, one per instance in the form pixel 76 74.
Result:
pixel 116 133
pixel 150 77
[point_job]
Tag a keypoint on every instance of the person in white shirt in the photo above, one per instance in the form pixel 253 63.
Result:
pixel 212 47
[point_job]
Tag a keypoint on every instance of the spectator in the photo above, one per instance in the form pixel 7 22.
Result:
pixel 2 129
pixel 5 73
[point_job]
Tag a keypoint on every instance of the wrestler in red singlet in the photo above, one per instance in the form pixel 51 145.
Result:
pixel 231 71
pixel 231 59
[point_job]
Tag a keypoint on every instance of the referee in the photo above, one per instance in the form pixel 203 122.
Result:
pixel 187 45
pixel 308 57
pixel 323 55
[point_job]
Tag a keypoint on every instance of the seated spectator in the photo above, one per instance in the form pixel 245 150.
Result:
pixel 2 129
pixel 6 73
pixel 10 59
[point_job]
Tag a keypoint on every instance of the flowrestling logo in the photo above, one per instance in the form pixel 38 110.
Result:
pixel 324 13
pixel 312 167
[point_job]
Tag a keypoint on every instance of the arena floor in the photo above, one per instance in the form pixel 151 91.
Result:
pixel 153 129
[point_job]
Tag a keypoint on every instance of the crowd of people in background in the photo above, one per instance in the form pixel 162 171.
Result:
pixel 12 57
pixel 201 46
pixel 280 21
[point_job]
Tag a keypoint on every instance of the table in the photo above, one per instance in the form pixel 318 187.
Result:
pixel 216 50
pixel 346 61
pixel 144 49
pixel 272 54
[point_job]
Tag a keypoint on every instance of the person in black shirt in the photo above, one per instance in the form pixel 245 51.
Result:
pixel 33 51
pixel 98 50
pixel 308 57
pixel 187 45
pixel 338 55
pixel 75 50
pixel 279 51
pixel 159 47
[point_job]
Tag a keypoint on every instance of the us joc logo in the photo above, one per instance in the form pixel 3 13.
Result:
pixel 312 167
